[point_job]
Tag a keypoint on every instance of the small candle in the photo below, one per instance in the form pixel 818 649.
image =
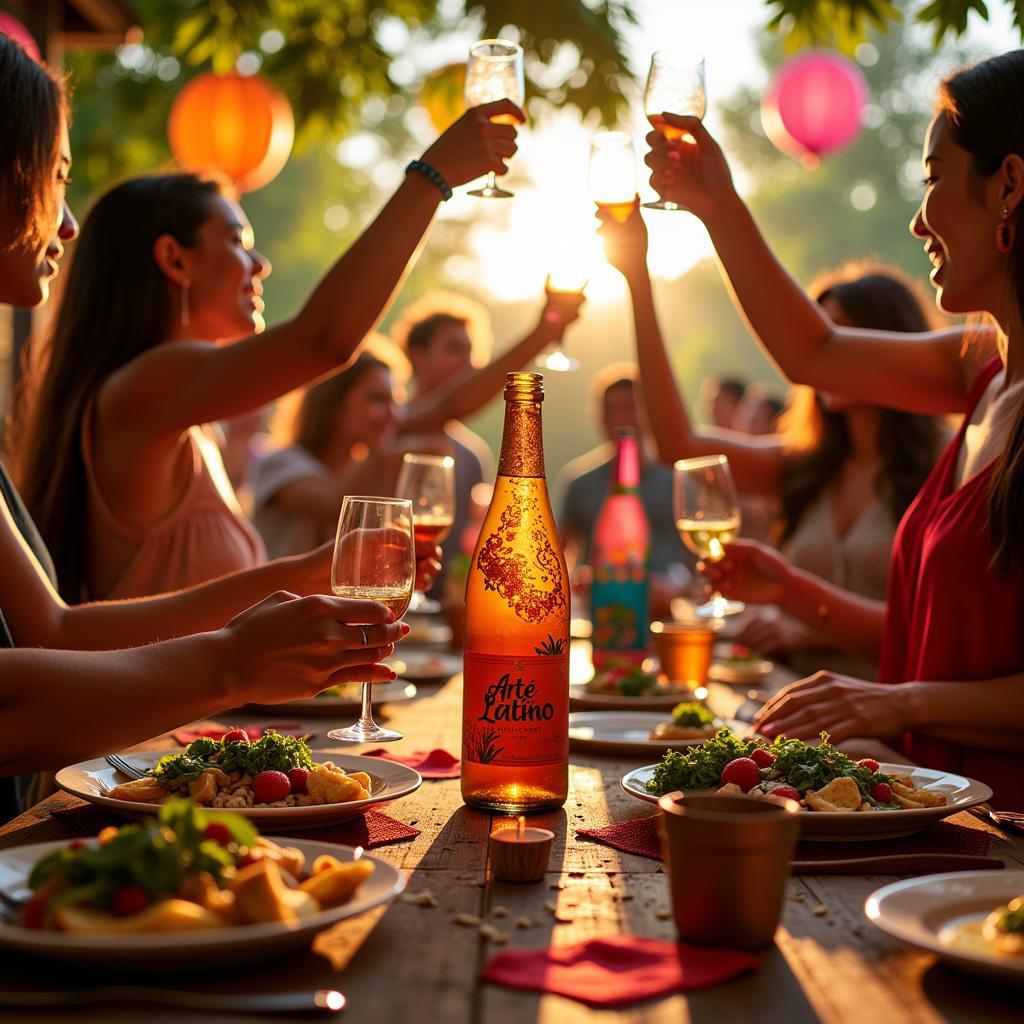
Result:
pixel 520 854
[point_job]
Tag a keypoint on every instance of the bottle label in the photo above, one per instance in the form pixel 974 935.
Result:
pixel 515 711
pixel 618 609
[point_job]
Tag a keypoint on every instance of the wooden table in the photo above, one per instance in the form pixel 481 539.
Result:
pixel 409 963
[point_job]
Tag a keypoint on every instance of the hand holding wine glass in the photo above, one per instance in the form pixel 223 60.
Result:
pixel 563 292
pixel 374 560
pixel 624 240
pixel 707 513
pixel 428 482
pixel 675 83
pixel 495 72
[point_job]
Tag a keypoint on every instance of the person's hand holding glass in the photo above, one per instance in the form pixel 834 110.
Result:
pixel 374 560
pixel 494 72
pixel 563 293
pixel 707 513
pixel 675 84
pixel 428 482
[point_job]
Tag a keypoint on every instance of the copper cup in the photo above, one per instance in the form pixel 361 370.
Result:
pixel 728 860
pixel 684 650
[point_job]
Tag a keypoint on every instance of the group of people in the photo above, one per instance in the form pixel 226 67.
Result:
pixel 135 594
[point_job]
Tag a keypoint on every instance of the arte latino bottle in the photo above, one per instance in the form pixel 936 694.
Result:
pixel 515 744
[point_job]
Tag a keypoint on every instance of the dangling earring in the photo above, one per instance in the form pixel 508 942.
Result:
pixel 1004 233
pixel 184 303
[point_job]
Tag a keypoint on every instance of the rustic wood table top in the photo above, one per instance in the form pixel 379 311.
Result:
pixel 411 963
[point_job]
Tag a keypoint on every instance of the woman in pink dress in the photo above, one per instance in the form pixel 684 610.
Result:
pixel 949 635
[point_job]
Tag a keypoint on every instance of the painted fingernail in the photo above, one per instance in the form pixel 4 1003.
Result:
pixel 406 629
pixel 392 676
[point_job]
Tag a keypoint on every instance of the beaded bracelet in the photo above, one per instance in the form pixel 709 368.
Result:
pixel 432 174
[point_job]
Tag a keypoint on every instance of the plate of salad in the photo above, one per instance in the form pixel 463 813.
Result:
pixel 737 665
pixel 273 781
pixel 622 686
pixel 841 798
pixel 186 888
pixel 644 733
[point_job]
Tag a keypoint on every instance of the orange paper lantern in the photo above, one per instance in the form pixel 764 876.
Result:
pixel 239 125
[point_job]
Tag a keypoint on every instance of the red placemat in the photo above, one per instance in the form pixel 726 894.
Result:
pixel 618 970
pixel 368 830
pixel 640 836
pixel 216 731
pixel 431 764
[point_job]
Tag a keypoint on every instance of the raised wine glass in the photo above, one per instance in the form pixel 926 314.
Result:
pixel 563 280
pixel 428 481
pixel 374 560
pixel 494 72
pixel 707 512
pixel 613 176
pixel 675 84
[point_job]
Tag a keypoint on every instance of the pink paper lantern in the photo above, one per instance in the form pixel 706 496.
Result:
pixel 10 26
pixel 814 105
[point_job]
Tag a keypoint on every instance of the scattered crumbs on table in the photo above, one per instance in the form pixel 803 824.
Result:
pixel 797 897
pixel 663 914
pixel 524 922
pixel 492 934
pixel 420 899
pixel 556 885
pixel 499 912
pixel 820 910
pixel 467 920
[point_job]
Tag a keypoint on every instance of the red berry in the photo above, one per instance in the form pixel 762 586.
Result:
pixel 870 763
pixel 235 736
pixel 33 913
pixel 743 771
pixel 271 786
pixel 297 777
pixel 128 900
pixel 786 791
pixel 246 859
pixel 882 792
pixel 762 758
pixel 218 832
pixel 77 844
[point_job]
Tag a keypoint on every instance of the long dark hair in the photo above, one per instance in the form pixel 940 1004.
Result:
pixel 879 298
pixel 982 105
pixel 116 305
pixel 32 103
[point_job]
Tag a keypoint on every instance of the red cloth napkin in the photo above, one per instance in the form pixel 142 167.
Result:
pixel 254 732
pixel 431 764
pixel 618 970
pixel 640 836
pixel 368 830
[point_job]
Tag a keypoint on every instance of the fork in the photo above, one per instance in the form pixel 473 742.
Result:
pixel 1008 821
pixel 125 767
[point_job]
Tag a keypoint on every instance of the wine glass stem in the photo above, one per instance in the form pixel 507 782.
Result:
pixel 492 180
pixel 366 713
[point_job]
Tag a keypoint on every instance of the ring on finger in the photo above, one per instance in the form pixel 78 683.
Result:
pixel 366 639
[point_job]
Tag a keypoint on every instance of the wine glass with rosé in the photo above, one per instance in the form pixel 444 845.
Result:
pixel 675 84
pixel 428 481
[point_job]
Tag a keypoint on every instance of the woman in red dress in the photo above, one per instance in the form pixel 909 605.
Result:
pixel 950 633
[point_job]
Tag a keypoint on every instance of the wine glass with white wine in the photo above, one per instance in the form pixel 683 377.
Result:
pixel 675 84
pixel 428 481
pixel 374 560
pixel 494 72
pixel 569 281
pixel 612 173
pixel 707 512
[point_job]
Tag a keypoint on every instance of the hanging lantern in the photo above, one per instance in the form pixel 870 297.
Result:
pixel 10 26
pixel 239 125
pixel 814 105
pixel 443 95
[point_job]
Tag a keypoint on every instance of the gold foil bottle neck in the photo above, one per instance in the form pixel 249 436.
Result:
pixel 524 387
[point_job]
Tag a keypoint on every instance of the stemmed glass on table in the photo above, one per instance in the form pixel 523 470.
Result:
pixel 675 84
pixel 707 513
pixel 494 72
pixel 428 481
pixel 374 560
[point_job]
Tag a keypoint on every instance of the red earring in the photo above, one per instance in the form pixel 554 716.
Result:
pixel 1004 233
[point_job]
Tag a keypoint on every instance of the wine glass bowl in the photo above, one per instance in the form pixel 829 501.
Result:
pixel 612 173
pixel 374 560
pixel 707 515
pixel 567 278
pixel 494 72
pixel 675 84
pixel 428 482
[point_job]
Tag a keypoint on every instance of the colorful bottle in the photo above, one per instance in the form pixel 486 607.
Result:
pixel 515 743
pixel 619 556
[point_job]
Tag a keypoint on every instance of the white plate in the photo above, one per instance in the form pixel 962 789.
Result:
pixel 740 673
pixel 92 780
pixel 581 699
pixel 961 793
pixel 628 732
pixel 172 951
pixel 383 693
pixel 422 665
pixel 916 910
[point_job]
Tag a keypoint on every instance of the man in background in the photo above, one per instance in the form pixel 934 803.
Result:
pixel 721 397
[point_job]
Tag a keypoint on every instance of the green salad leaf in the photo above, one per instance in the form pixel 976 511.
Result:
pixel 698 767
pixel 271 751
pixel 692 714
pixel 1012 919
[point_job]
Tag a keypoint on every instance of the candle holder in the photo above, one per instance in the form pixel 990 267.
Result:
pixel 520 854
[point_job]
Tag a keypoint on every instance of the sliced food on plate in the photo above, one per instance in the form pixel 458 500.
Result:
pixel 690 721
pixel 627 680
